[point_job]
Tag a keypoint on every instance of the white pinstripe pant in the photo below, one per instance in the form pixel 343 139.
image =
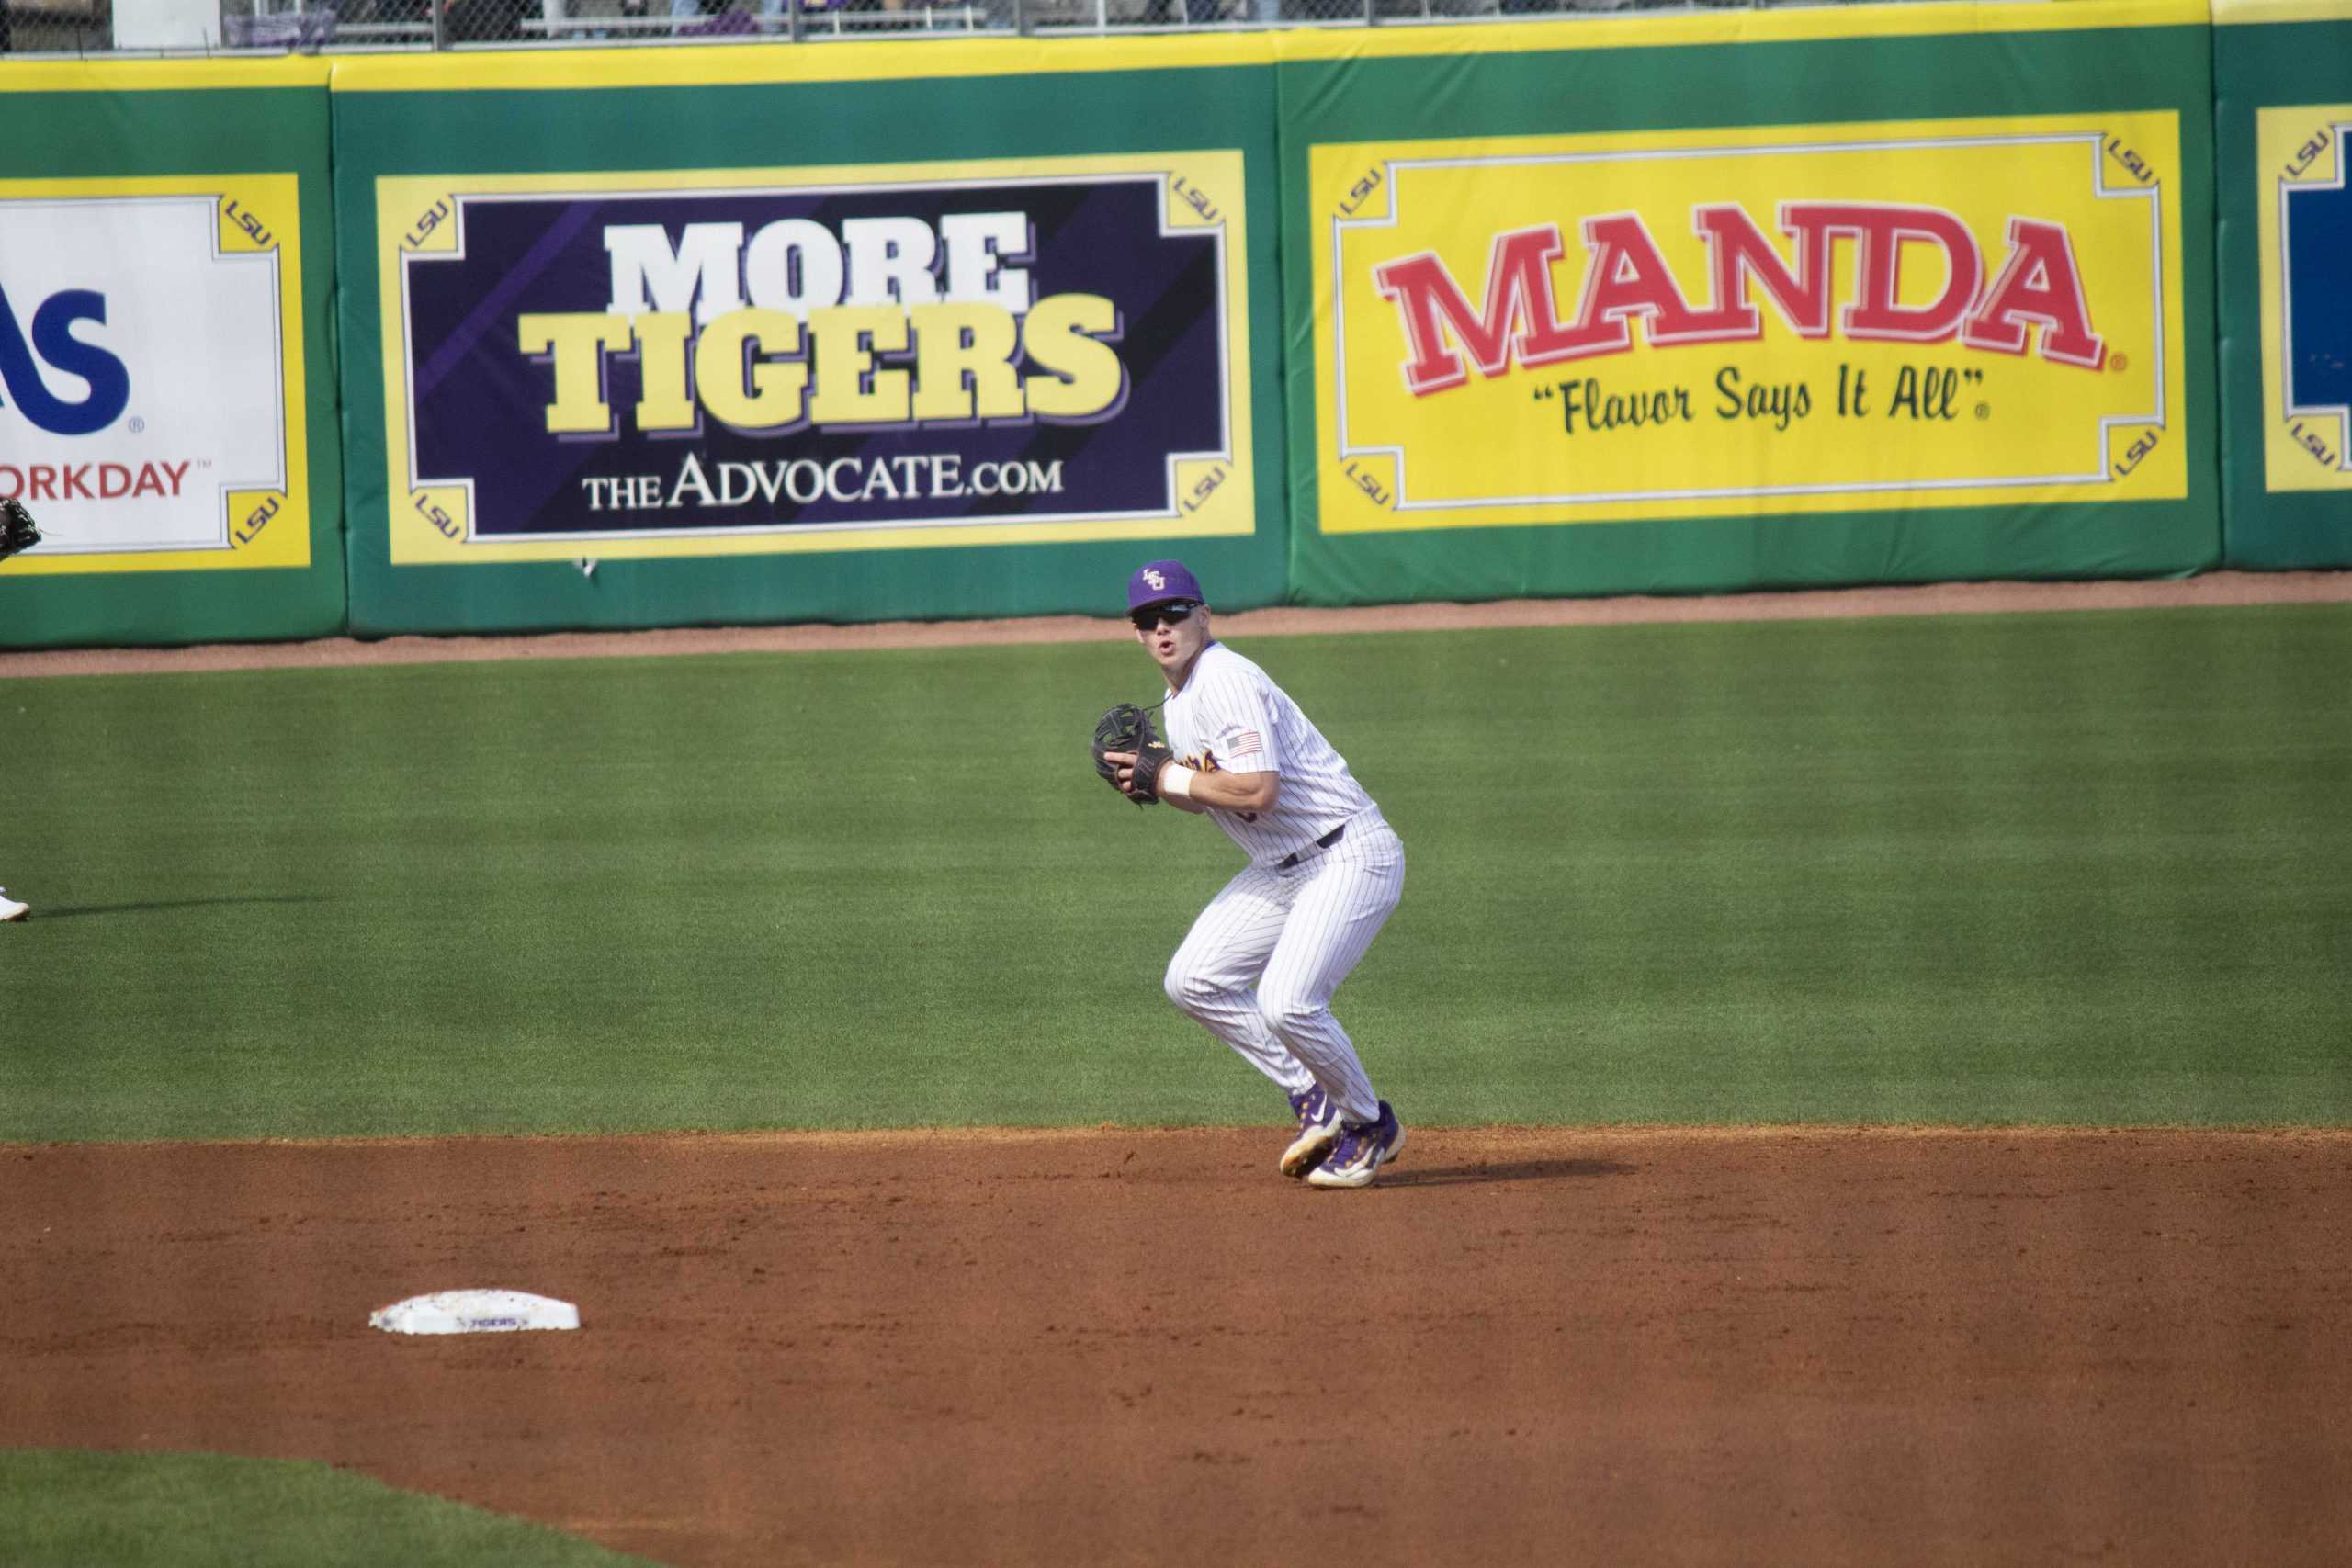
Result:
pixel 1259 967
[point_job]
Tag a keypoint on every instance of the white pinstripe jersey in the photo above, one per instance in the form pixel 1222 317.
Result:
pixel 1232 717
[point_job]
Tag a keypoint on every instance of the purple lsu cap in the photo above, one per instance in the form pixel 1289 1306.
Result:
pixel 1156 582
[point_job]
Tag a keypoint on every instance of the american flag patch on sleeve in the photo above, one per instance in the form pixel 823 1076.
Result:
pixel 1246 744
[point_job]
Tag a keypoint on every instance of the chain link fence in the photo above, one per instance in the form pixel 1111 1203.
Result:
pixel 56 26
pixel 83 26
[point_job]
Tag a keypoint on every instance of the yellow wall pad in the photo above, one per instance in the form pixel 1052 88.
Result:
pixel 174 73
pixel 746 65
pixel 760 64
pixel 1794 25
pixel 2243 13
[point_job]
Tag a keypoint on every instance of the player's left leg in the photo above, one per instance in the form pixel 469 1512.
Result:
pixel 1345 895
pixel 1214 977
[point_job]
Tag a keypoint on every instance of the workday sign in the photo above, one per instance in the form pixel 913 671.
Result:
pixel 149 339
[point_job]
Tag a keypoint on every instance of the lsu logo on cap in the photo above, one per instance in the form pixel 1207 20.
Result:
pixel 1158 580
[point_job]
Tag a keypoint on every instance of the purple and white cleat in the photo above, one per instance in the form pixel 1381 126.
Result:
pixel 1319 1129
pixel 1363 1147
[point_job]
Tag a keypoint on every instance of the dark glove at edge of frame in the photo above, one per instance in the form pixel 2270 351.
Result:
pixel 17 530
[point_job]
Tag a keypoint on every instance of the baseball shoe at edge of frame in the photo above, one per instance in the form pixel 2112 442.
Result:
pixel 1363 1147
pixel 1319 1129
pixel 10 909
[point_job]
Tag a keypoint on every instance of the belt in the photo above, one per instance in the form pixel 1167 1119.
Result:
pixel 1325 842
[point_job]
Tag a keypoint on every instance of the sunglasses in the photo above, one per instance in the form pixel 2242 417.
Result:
pixel 1152 616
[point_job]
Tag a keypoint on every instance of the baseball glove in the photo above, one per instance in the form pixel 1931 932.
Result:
pixel 1128 729
pixel 17 530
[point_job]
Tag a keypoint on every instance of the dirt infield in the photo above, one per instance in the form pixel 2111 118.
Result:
pixel 1596 1347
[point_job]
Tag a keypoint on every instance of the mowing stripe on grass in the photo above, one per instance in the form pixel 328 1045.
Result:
pixel 2071 868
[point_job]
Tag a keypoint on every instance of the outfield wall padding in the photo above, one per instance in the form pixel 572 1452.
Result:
pixel 1604 319
pixel 167 404
pixel 2283 108
pixel 753 333
pixel 876 342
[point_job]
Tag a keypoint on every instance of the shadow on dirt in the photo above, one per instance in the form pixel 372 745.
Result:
pixel 1503 1171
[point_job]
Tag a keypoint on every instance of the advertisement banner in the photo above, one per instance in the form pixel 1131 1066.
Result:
pixel 665 363
pixel 2305 214
pixel 1784 319
pixel 2283 73
pixel 152 373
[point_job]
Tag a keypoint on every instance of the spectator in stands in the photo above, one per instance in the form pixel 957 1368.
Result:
pixel 701 19
pixel 483 21
pixel 417 14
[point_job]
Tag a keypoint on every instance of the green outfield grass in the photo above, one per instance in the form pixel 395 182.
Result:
pixel 2076 868
pixel 66 1509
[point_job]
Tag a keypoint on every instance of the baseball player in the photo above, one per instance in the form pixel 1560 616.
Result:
pixel 1259 965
